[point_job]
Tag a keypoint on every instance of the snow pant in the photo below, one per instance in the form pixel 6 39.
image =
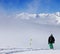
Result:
pixel 51 45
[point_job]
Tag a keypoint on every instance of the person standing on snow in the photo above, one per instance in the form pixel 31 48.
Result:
pixel 51 41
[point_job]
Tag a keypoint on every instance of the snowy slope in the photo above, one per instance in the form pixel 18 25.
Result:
pixel 40 52
pixel 27 51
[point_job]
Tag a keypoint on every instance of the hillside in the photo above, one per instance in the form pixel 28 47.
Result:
pixel 28 51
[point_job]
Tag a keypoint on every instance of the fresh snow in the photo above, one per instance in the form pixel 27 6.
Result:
pixel 40 52
pixel 28 51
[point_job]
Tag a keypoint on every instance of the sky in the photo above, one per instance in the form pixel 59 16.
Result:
pixel 21 20
pixel 31 6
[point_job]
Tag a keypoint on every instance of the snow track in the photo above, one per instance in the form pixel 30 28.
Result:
pixel 28 51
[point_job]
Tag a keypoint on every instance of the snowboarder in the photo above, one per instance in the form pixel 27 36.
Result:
pixel 51 40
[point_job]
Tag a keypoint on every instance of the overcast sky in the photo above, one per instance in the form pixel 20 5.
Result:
pixel 21 20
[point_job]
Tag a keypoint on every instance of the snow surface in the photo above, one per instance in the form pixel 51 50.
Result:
pixel 28 51
pixel 40 52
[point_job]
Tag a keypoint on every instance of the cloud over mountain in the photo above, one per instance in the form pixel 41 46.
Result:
pixel 42 18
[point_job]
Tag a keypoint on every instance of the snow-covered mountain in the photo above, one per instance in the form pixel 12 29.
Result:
pixel 42 18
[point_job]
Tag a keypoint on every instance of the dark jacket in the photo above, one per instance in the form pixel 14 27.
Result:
pixel 51 39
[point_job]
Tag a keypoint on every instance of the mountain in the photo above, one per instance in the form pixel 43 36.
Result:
pixel 42 18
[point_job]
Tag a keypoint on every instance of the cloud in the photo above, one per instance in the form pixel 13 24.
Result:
pixel 26 16
pixel 42 18
pixel 33 6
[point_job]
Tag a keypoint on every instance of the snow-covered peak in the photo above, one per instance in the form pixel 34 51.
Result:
pixel 44 18
pixel 57 13
pixel 25 15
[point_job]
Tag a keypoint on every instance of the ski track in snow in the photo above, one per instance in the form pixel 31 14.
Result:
pixel 28 51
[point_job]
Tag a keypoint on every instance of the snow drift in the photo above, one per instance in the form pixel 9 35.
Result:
pixel 27 51
pixel 41 52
